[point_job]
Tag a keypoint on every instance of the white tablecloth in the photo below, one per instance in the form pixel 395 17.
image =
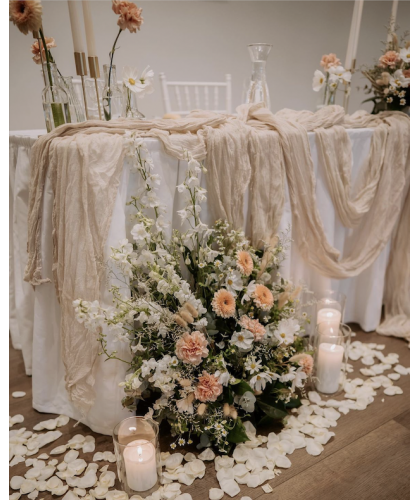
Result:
pixel 35 314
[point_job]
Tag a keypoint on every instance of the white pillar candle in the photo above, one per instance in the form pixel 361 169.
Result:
pixel 331 319
pixel 90 35
pixel 140 465
pixel 75 27
pixel 328 368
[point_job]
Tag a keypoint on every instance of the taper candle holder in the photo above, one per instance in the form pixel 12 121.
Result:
pixel 81 70
pixel 347 88
pixel 95 74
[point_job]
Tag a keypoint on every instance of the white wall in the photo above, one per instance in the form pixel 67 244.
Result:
pixel 203 40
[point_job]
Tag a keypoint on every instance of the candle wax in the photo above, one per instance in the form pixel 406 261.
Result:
pixel 140 465
pixel 328 368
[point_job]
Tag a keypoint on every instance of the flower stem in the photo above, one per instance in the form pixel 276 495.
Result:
pixel 111 56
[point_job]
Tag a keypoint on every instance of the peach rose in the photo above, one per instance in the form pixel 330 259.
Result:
pixel 245 263
pixel 329 61
pixel 253 326
pixel 192 348
pixel 263 297
pixel 208 388
pixel 130 15
pixel 389 59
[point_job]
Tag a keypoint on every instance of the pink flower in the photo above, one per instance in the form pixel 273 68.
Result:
pixel 208 388
pixel 306 361
pixel 130 15
pixel 35 49
pixel 263 297
pixel 245 263
pixel 329 61
pixel 253 326
pixel 389 59
pixel 192 348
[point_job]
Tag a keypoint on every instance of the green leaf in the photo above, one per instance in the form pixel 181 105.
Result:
pixel 238 433
pixel 242 388
pixel 294 403
pixel 266 420
pixel 227 395
pixel 271 411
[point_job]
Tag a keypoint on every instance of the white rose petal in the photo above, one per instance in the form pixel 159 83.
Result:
pixel 189 457
pixel 18 394
pixel 267 488
pixel 401 370
pixel 207 455
pixel 394 376
pixel 216 494
pixel 313 448
pixel 230 486
pixel 27 486
pixel 16 482
pixel 70 456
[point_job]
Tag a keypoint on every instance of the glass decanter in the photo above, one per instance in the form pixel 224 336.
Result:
pixel 258 89
pixel 112 97
pixel 55 99
pixel 76 109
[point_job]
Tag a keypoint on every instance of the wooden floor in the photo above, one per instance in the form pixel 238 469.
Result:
pixel 367 459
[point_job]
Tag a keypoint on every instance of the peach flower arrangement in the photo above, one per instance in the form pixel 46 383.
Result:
pixel 204 319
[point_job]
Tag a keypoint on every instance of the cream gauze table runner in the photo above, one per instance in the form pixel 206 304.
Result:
pixel 85 162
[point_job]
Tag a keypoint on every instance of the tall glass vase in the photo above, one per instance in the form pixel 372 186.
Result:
pixel 112 97
pixel 55 100
pixel 130 105
pixel 76 109
pixel 258 89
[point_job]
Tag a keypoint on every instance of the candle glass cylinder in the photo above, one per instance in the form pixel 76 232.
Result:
pixel 136 443
pixel 330 308
pixel 306 309
pixel 112 97
pixel 330 352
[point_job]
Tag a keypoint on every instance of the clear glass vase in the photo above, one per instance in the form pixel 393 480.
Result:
pixel 76 109
pixel 55 100
pixel 258 89
pixel 112 97
pixel 130 105
pixel 137 449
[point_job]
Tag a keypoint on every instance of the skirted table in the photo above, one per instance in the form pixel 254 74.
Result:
pixel 35 312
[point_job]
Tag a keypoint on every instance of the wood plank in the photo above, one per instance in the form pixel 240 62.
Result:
pixel 351 428
pixel 374 466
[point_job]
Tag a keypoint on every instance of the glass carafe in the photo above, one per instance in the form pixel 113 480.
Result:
pixel 258 89
pixel 112 97
pixel 76 109
pixel 55 100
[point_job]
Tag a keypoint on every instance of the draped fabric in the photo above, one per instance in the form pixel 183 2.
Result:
pixel 256 149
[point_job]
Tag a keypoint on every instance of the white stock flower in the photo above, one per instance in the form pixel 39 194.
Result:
pixel 249 291
pixel 140 233
pixel 243 340
pixel 318 80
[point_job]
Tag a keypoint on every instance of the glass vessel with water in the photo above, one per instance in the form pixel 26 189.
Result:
pixel 258 89
pixel 55 99
pixel 112 97
pixel 77 112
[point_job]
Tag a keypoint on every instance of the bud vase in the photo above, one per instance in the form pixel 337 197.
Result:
pixel 130 105
pixel 55 100
pixel 112 97
pixel 258 89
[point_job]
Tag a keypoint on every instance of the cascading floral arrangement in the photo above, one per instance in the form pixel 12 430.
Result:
pixel 390 77
pixel 212 325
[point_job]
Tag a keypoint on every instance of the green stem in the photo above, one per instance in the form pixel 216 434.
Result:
pixel 109 114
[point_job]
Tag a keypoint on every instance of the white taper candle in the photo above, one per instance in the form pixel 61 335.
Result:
pixel 90 35
pixel 393 19
pixel 75 26
pixel 354 34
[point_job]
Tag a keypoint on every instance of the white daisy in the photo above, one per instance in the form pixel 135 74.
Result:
pixel 131 79
pixel 286 331
pixel 259 381
pixel 318 80
pixel 405 55
pixel 233 281
pixel 252 365
pixel 242 339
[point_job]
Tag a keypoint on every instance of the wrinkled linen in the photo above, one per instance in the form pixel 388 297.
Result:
pixel 258 149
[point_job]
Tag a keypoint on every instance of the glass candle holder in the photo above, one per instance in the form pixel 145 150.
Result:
pixel 136 443
pixel 330 352
pixel 330 308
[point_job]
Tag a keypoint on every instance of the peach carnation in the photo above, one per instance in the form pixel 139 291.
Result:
pixel 245 263
pixel 306 361
pixel 406 73
pixel 130 15
pixel 26 15
pixel 223 303
pixel 208 388
pixel 263 297
pixel 192 348
pixel 35 48
pixel 329 61
pixel 253 326
pixel 389 59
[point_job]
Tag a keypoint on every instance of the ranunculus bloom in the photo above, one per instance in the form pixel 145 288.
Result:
pixel 130 15
pixel 245 263
pixel 389 59
pixel 329 60
pixel 192 348
pixel 208 388
pixel 26 15
pixel 223 303
pixel 35 48
pixel 263 297
pixel 253 326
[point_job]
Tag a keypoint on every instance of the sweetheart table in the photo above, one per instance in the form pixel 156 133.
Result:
pixel 35 313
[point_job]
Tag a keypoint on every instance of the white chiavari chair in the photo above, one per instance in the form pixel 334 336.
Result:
pixel 196 95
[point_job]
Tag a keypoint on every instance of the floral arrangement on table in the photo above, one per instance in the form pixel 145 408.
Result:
pixel 390 77
pixel 212 350
pixel 329 82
